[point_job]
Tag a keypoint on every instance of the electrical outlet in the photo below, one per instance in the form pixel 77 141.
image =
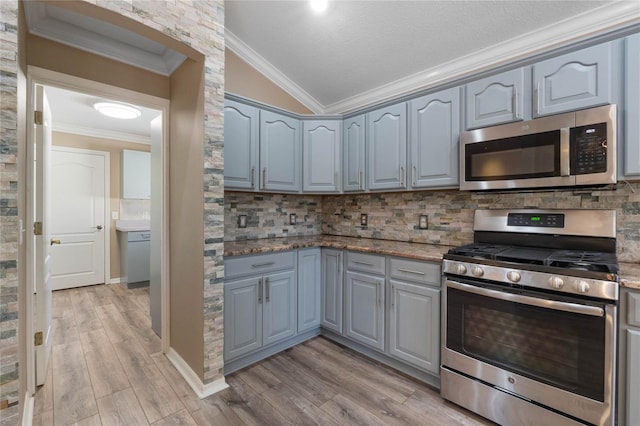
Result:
pixel 242 221
pixel 364 219
pixel 292 219
pixel 423 223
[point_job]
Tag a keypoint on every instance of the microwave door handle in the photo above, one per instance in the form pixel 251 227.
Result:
pixel 528 300
pixel 565 152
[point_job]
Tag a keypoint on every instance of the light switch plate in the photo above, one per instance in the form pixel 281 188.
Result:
pixel 115 215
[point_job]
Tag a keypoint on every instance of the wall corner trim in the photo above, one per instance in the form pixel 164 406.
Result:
pixel 27 409
pixel 192 378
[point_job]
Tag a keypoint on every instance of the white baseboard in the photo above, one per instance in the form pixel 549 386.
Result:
pixel 114 280
pixel 192 378
pixel 27 410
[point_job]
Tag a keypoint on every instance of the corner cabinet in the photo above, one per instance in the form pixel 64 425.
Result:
pixel 498 99
pixel 279 152
pixel 577 80
pixel 386 144
pixel 241 142
pixel 354 160
pixel 632 108
pixel 309 286
pixel 321 150
pixel 331 290
pixel 434 133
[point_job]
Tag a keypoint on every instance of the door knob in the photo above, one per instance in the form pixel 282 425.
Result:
pixel 99 227
pixel 55 242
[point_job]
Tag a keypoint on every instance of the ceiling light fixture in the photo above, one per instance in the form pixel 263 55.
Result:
pixel 319 6
pixel 117 110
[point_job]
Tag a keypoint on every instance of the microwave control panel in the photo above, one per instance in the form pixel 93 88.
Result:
pixel 589 149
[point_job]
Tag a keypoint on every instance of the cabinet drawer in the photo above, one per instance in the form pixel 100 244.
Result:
pixel 259 264
pixel 366 263
pixel 138 236
pixel 419 272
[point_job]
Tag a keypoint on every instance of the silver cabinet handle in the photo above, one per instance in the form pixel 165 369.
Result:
pixel 360 180
pixel 537 99
pixel 515 103
pixel 259 291
pixel 409 271
pixel 253 177
pixel 268 289
pixel 362 263
pixel 260 265
pixel 393 296
pixel 401 175
pixel 337 179
pixel 413 175
pixel 264 177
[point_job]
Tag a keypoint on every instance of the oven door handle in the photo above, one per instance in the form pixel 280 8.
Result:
pixel 527 300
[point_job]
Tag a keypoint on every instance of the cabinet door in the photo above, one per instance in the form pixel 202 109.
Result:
pixel 353 172
pixel 496 99
pixel 321 156
pixel 136 175
pixel 632 123
pixel 633 377
pixel 331 290
pixel 241 127
pixel 435 128
pixel 365 309
pixel 279 152
pixel 308 289
pixel 387 144
pixel 279 318
pixel 242 317
pixel 411 305
pixel 573 81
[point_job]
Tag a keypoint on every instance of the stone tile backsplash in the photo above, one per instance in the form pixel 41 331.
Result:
pixel 395 216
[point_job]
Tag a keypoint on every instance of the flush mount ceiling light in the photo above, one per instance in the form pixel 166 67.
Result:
pixel 319 6
pixel 117 110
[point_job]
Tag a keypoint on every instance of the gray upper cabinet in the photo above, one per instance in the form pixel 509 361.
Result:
pixel 241 140
pixel 386 146
pixel 632 111
pixel 321 150
pixel 331 290
pixel 353 168
pixel 434 133
pixel 497 99
pixel 309 289
pixel 573 81
pixel 365 309
pixel 280 304
pixel 243 317
pixel 279 152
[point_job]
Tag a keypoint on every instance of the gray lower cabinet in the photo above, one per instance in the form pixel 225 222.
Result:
pixel 364 298
pixel 309 279
pixel 279 307
pixel 628 356
pixel 135 258
pixel 331 290
pixel 242 317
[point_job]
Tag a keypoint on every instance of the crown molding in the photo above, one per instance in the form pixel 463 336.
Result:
pixel 254 59
pixel 607 18
pixel 100 133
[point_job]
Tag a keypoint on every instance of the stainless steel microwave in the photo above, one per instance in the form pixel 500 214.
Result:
pixel 571 149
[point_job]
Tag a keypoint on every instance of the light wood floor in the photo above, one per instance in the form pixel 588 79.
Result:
pixel 107 369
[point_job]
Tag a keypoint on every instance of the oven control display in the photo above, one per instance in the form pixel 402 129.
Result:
pixel 541 220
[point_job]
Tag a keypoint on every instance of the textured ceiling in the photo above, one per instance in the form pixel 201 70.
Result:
pixel 358 46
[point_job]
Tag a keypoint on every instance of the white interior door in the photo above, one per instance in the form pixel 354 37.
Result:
pixel 78 186
pixel 42 238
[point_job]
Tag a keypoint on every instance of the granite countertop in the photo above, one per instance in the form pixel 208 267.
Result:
pixel 629 272
pixel 419 251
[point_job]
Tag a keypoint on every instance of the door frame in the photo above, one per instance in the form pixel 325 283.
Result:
pixel 45 77
pixel 107 198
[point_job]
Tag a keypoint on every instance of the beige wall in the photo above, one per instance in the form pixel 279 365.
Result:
pixel 242 79
pixel 186 213
pixel 58 57
pixel 114 148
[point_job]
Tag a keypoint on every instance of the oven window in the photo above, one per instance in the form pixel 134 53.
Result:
pixel 530 156
pixel 562 349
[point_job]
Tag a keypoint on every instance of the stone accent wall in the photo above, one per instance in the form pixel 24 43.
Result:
pixel 9 384
pixel 394 216
pixel 268 215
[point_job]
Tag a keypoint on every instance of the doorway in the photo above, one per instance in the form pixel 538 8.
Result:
pixel 157 208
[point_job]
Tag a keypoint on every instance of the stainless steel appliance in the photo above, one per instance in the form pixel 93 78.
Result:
pixel 572 149
pixel 529 317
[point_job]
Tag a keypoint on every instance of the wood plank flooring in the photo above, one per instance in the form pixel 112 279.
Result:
pixel 107 368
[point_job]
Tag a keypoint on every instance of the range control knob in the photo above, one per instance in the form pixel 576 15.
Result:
pixel 583 286
pixel 477 271
pixel 513 276
pixel 461 269
pixel 556 282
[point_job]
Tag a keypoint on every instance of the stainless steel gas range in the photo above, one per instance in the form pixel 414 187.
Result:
pixel 529 317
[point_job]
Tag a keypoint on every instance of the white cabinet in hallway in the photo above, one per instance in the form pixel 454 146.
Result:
pixel 136 175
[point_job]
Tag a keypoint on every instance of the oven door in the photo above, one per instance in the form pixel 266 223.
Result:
pixel 557 352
